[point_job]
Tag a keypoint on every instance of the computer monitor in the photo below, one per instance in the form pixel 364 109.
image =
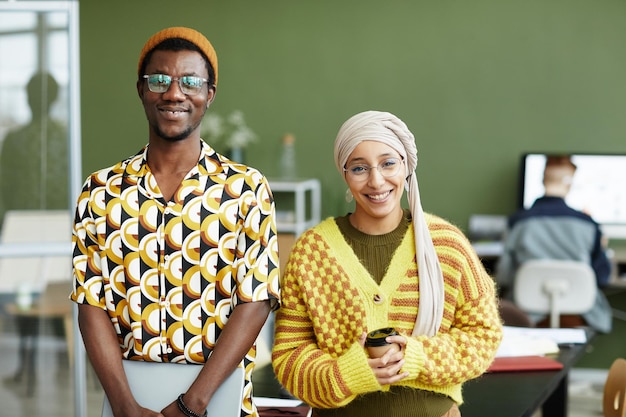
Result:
pixel 598 187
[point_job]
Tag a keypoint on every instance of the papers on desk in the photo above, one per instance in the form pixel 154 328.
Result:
pixel 276 402
pixel 278 407
pixel 528 341
pixel 525 349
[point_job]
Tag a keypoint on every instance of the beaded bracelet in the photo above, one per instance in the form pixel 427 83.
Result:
pixel 186 410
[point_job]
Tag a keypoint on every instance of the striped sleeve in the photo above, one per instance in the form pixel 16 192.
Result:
pixel 471 329
pixel 329 369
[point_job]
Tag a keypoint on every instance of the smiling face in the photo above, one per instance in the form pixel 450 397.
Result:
pixel 172 115
pixel 378 198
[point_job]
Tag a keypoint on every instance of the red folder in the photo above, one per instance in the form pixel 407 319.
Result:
pixel 524 363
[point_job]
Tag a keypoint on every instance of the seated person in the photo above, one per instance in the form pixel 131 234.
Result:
pixel 550 229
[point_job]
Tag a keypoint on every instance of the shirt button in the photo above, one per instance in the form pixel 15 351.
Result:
pixel 378 299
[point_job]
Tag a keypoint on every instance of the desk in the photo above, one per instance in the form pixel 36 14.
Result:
pixel 521 394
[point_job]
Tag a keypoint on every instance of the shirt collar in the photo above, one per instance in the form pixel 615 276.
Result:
pixel 209 162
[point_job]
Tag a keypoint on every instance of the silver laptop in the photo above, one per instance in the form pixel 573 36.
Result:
pixel 156 384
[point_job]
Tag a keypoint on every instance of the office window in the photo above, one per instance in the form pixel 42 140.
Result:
pixel 39 178
pixel 33 111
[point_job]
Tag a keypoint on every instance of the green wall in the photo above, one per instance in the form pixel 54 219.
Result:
pixel 478 82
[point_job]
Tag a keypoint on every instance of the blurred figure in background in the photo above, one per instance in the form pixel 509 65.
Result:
pixel 550 229
pixel 34 158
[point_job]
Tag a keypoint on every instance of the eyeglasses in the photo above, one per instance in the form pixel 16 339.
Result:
pixel 388 168
pixel 189 84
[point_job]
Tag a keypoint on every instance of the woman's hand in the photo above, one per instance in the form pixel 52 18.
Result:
pixel 388 367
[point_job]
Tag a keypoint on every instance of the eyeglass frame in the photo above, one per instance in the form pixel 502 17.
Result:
pixel 172 79
pixel 369 168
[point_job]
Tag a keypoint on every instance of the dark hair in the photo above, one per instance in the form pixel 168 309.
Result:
pixel 41 85
pixel 559 161
pixel 178 44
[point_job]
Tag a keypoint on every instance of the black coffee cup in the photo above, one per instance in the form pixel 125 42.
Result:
pixel 377 345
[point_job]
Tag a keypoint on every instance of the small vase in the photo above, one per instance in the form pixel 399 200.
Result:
pixel 236 154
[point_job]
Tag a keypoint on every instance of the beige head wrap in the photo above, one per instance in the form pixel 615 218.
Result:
pixel 388 129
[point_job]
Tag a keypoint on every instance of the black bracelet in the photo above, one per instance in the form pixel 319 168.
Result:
pixel 186 410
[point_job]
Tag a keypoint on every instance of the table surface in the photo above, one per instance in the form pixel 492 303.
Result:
pixel 517 394
pixel 53 302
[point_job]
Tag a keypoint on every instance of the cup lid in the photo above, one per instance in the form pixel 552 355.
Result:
pixel 377 337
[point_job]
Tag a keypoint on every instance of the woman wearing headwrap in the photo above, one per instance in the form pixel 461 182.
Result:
pixel 378 267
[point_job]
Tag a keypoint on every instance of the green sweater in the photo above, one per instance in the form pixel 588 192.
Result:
pixel 374 251
pixel 329 299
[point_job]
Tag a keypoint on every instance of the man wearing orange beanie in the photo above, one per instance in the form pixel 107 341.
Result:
pixel 175 248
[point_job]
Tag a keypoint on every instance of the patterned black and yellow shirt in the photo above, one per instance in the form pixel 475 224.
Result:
pixel 169 273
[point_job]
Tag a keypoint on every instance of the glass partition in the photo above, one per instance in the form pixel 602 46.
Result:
pixel 42 365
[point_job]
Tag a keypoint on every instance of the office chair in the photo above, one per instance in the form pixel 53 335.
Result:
pixel 613 404
pixel 555 287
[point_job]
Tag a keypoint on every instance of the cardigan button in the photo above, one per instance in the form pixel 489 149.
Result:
pixel 378 299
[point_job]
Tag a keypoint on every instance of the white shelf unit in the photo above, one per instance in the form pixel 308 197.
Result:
pixel 301 218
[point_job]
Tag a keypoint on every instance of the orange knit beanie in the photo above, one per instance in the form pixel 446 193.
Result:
pixel 187 34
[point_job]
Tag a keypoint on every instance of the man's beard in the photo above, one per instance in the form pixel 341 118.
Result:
pixel 177 138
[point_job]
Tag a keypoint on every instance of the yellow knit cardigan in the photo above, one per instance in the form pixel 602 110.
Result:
pixel 329 299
